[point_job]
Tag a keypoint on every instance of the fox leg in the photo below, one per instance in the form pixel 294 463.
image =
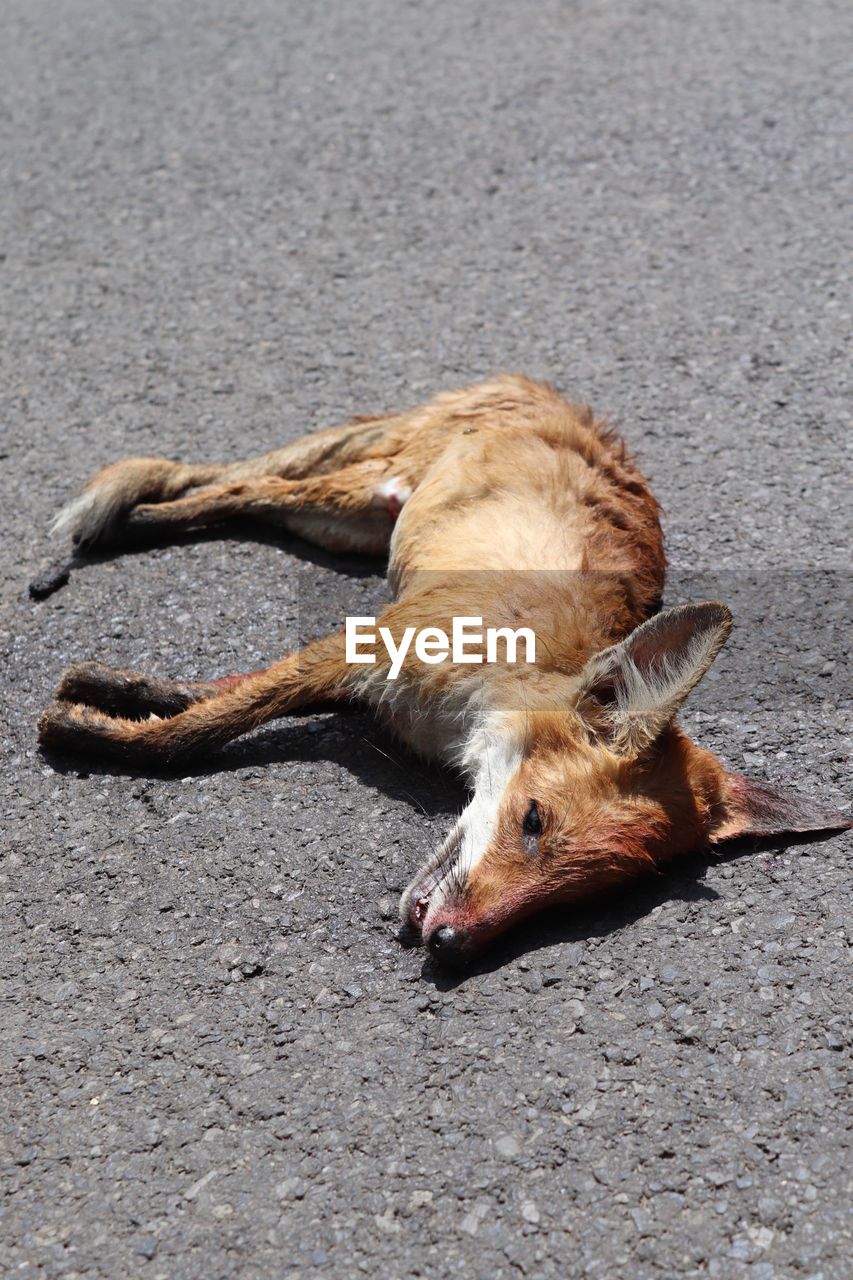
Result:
pixel 135 694
pixel 317 673
pixel 99 511
pixel 322 452
pixel 407 442
pixel 348 510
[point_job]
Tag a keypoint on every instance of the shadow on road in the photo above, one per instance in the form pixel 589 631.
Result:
pixel 55 572
pixel 347 737
pixel 623 907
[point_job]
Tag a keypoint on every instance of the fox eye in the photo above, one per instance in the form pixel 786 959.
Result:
pixel 532 825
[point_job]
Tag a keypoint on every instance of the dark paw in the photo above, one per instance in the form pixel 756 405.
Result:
pixel 123 693
pixel 67 726
pixel 53 575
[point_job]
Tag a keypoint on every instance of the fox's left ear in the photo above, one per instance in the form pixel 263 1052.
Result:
pixel 750 808
pixel 630 691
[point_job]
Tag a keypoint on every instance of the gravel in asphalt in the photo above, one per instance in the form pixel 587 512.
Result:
pixel 223 226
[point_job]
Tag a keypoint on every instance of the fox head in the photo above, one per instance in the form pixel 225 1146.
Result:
pixel 590 787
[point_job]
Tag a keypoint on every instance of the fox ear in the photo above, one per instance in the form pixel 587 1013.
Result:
pixel 631 691
pixel 751 808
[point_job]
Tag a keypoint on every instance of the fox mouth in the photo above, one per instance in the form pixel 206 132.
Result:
pixel 439 877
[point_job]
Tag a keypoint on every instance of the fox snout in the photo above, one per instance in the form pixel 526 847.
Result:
pixel 454 944
pixel 448 945
pixel 453 921
pixel 456 941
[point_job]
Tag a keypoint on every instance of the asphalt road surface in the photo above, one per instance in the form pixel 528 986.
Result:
pixel 223 225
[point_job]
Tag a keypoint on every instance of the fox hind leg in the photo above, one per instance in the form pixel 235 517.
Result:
pixel 317 673
pixel 134 694
pixel 101 509
pixel 345 510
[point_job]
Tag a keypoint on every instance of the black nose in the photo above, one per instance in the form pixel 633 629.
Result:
pixel 446 944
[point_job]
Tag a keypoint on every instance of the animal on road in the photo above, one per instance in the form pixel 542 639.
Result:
pixel 502 503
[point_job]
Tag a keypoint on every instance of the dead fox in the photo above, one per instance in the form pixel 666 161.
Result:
pixel 505 503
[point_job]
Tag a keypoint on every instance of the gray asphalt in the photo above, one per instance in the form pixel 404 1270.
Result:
pixel 222 226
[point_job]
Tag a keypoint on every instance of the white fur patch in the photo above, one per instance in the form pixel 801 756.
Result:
pixel 394 494
pixel 75 515
pixel 490 756
pixel 492 759
pixel 440 730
